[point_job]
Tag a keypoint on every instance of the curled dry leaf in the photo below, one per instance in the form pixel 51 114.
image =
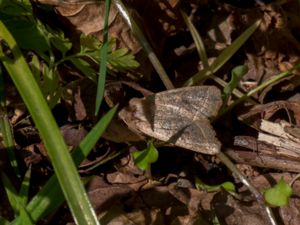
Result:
pixel 88 17
pixel 179 116
pixel 266 111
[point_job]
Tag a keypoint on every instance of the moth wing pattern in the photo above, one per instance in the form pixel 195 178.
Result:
pixel 204 100
pixel 178 116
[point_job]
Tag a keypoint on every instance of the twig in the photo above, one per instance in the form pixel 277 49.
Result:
pixel 145 44
pixel 258 196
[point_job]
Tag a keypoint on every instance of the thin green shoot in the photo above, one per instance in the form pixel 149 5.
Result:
pixel 103 62
pixel 197 39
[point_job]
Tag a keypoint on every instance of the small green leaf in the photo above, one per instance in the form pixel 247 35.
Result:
pixel 85 68
pixel 121 60
pixel 89 43
pixel 236 75
pixel 279 194
pixel 59 41
pixel 144 158
pixel 200 185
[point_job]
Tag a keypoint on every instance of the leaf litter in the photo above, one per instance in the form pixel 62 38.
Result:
pixel 166 194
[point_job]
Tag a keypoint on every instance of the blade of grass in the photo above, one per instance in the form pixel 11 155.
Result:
pixel 103 55
pixel 11 193
pixel 63 165
pixel 15 201
pixel 50 196
pixel 145 44
pixel 260 87
pixel 224 56
pixel 6 130
pixel 197 39
pixel 24 190
pixel 25 216
pixel 206 72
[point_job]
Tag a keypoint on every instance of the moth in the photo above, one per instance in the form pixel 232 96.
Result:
pixel 179 117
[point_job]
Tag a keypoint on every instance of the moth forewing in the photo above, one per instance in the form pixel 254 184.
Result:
pixel 178 116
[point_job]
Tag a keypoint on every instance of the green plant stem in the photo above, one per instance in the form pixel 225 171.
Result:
pixel 145 44
pixel 63 165
pixel 70 58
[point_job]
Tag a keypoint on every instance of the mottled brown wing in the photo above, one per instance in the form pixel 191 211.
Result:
pixel 190 101
pixel 177 117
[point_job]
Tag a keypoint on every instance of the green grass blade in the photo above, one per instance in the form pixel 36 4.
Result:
pixel 197 39
pixel 234 47
pixel 224 56
pixel 6 130
pixel 264 85
pixel 63 165
pixel 259 88
pixel 26 220
pixel 103 56
pixel 15 201
pixel 50 196
pixel 24 190
pixel 11 193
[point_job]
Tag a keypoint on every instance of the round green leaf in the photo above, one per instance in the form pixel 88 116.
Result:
pixel 279 194
pixel 144 158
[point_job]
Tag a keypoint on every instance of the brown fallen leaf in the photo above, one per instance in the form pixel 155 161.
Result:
pixel 231 211
pixel 178 116
pixel 266 111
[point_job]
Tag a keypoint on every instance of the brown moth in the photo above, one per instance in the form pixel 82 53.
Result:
pixel 179 116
